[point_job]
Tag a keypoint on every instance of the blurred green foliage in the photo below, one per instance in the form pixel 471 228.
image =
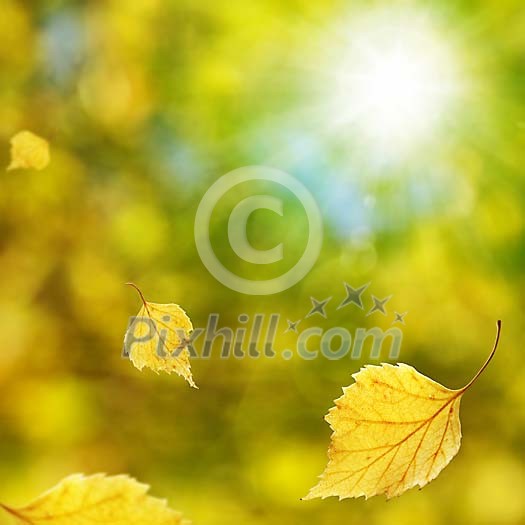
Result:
pixel 145 104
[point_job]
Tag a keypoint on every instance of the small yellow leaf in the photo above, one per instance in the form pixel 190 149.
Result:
pixel 28 151
pixel 393 429
pixel 96 500
pixel 157 339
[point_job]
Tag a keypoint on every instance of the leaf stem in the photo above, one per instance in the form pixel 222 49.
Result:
pixel 16 514
pixel 133 285
pixel 489 359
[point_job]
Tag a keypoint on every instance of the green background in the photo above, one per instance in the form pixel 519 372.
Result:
pixel 145 104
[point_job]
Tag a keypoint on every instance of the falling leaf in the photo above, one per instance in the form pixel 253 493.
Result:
pixel 393 429
pixel 157 338
pixel 95 500
pixel 28 151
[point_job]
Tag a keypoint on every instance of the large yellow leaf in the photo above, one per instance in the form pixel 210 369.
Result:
pixel 28 151
pixel 96 500
pixel 157 339
pixel 393 429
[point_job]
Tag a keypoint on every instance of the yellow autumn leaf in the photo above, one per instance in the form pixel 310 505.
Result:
pixel 393 429
pixel 28 151
pixel 96 500
pixel 157 337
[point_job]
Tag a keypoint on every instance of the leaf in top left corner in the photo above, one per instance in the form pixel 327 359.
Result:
pixel 28 151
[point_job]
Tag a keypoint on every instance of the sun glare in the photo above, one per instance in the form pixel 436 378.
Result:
pixel 395 82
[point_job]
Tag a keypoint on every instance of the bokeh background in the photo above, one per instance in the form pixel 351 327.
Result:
pixel 148 102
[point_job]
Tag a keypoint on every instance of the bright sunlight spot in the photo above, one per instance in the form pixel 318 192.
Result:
pixel 395 82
